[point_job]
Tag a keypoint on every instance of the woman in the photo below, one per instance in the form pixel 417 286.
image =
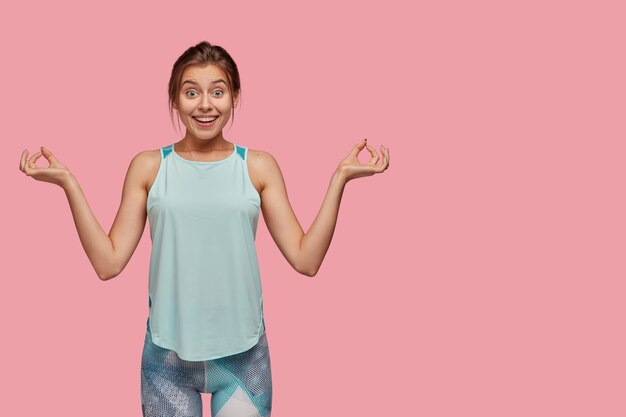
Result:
pixel 202 196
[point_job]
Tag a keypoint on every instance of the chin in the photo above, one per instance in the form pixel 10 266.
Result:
pixel 204 135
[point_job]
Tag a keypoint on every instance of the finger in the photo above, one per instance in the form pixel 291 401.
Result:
pixel 30 167
pixel 385 162
pixel 386 155
pixel 374 154
pixel 48 155
pixel 23 159
pixel 378 168
pixel 32 162
pixel 356 149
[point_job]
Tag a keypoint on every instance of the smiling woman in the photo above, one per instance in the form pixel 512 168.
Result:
pixel 202 196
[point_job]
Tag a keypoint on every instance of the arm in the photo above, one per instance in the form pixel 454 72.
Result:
pixel 306 251
pixel 108 254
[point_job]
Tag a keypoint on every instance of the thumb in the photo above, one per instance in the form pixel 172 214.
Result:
pixel 358 147
pixel 47 154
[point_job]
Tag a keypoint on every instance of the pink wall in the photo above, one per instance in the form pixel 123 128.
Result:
pixel 481 275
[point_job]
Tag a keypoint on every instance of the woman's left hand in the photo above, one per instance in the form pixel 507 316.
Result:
pixel 350 168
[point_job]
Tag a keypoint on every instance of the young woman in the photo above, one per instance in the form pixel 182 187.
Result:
pixel 202 195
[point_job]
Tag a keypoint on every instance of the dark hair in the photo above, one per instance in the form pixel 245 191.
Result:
pixel 203 54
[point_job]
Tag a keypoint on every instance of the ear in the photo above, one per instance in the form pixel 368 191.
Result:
pixel 236 100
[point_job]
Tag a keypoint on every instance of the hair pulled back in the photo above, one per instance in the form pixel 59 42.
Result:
pixel 203 54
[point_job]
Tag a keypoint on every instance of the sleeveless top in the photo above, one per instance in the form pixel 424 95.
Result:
pixel 205 296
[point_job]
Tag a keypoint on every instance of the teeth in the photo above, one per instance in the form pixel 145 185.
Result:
pixel 205 119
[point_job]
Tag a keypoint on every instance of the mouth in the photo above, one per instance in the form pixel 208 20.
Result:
pixel 205 121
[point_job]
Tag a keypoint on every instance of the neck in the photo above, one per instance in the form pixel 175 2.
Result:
pixel 192 143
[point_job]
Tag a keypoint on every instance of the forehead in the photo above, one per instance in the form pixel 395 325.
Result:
pixel 203 74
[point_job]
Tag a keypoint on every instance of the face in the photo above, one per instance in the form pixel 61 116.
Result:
pixel 205 102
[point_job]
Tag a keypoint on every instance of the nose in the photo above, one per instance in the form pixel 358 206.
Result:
pixel 205 103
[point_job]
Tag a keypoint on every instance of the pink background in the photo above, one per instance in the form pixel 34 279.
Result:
pixel 481 275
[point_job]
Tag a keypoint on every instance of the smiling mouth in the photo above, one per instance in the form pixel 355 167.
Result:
pixel 205 119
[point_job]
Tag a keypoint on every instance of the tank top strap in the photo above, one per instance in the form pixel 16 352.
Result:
pixel 166 150
pixel 241 151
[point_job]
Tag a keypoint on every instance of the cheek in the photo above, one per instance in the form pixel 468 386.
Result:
pixel 226 106
pixel 184 107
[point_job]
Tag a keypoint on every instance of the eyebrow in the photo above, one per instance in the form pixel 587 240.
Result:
pixel 213 82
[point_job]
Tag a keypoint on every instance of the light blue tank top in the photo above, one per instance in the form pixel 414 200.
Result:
pixel 205 297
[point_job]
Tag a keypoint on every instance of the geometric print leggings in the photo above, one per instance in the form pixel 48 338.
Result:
pixel 240 384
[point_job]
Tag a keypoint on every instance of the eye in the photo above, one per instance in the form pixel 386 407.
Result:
pixel 218 93
pixel 191 93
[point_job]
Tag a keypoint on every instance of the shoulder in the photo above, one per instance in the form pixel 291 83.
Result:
pixel 146 160
pixel 262 165
pixel 261 158
pixel 144 166
pixel 262 161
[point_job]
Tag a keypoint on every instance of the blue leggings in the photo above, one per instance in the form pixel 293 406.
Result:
pixel 241 384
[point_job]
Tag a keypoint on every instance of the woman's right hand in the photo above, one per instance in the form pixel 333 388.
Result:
pixel 55 172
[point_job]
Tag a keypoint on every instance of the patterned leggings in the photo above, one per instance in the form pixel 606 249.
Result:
pixel 241 384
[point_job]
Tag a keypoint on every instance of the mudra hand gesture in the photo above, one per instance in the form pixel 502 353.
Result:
pixel 55 172
pixel 350 168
